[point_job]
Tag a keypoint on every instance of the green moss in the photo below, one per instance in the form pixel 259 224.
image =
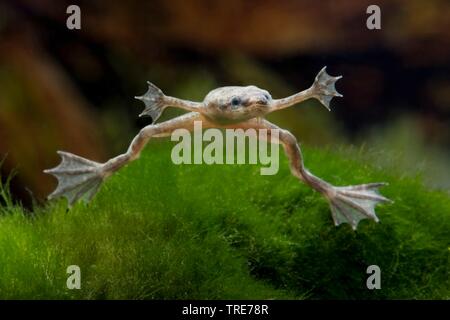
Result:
pixel 162 231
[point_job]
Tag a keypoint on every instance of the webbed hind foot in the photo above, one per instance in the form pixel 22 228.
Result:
pixel 351 204
pixel 78 178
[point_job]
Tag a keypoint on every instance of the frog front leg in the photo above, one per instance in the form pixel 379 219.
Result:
pixel 80 178
pixel 323 89
pixel 156 101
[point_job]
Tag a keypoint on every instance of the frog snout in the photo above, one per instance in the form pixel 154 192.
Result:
pixel 259 99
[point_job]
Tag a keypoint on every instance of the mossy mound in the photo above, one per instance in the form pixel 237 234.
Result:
pixel 160 231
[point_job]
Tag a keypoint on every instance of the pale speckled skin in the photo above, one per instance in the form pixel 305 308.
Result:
pixel 226 107
pixel 253 102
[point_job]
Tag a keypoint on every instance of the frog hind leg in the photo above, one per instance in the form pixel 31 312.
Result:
pixel 349 204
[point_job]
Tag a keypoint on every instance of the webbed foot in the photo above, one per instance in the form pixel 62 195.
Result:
pixel 324 87
pixel 78 178
pixel 154 102
pixel 354 203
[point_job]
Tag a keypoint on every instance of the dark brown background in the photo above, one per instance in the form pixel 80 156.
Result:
pixel 72 90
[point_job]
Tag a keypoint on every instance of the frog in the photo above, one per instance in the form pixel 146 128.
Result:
pixel 229 107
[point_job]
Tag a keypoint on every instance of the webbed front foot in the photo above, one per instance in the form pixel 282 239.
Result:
pixel 154 102
pixel 353 203
pixel 323 88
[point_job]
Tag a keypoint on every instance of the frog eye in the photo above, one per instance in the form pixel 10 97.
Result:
pixel 235 101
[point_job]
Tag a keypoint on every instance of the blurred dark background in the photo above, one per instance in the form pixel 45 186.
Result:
pixel 73 89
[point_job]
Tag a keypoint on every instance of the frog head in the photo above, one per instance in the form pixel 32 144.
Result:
pixel 237 103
